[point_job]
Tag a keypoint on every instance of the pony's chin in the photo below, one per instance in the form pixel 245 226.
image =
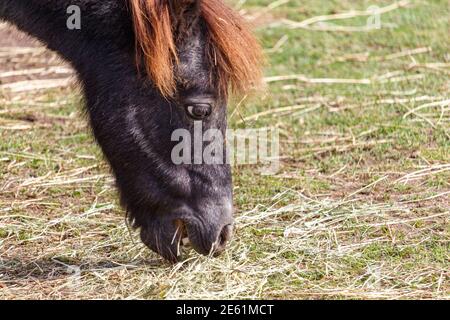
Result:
pixel 165 239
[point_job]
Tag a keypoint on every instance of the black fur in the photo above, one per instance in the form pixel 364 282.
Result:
pixel 131 120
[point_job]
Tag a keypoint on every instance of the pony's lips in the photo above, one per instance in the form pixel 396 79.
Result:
pixel 181 235
pixel 187 236
pixel 181 230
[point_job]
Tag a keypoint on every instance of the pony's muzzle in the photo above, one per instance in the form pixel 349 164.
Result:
pixel 209 227
pixel 207 231
pixel 210 242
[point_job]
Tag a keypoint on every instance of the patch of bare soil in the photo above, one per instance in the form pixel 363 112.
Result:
pixel 11 37
pixel 23 58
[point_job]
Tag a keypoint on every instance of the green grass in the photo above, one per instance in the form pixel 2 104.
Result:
pixel 359 208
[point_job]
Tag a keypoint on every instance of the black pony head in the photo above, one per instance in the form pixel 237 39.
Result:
pixel 192 51
pixel 156 75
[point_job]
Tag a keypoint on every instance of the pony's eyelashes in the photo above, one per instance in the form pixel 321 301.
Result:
pixel 199 111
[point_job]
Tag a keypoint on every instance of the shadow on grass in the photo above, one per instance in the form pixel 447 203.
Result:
pixel 18 270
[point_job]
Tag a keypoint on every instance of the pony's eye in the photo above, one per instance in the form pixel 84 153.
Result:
pixel 199 111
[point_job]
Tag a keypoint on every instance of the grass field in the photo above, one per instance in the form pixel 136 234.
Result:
pixel 359 208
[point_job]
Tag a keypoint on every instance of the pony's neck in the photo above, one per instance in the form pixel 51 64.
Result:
pixel 105 26
pixel 102 51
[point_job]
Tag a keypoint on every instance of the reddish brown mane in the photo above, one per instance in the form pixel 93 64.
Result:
pixel 232 48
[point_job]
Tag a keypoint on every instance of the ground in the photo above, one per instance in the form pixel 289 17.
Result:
pixel 359 208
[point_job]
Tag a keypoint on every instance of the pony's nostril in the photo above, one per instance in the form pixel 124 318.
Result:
pixel 224 236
